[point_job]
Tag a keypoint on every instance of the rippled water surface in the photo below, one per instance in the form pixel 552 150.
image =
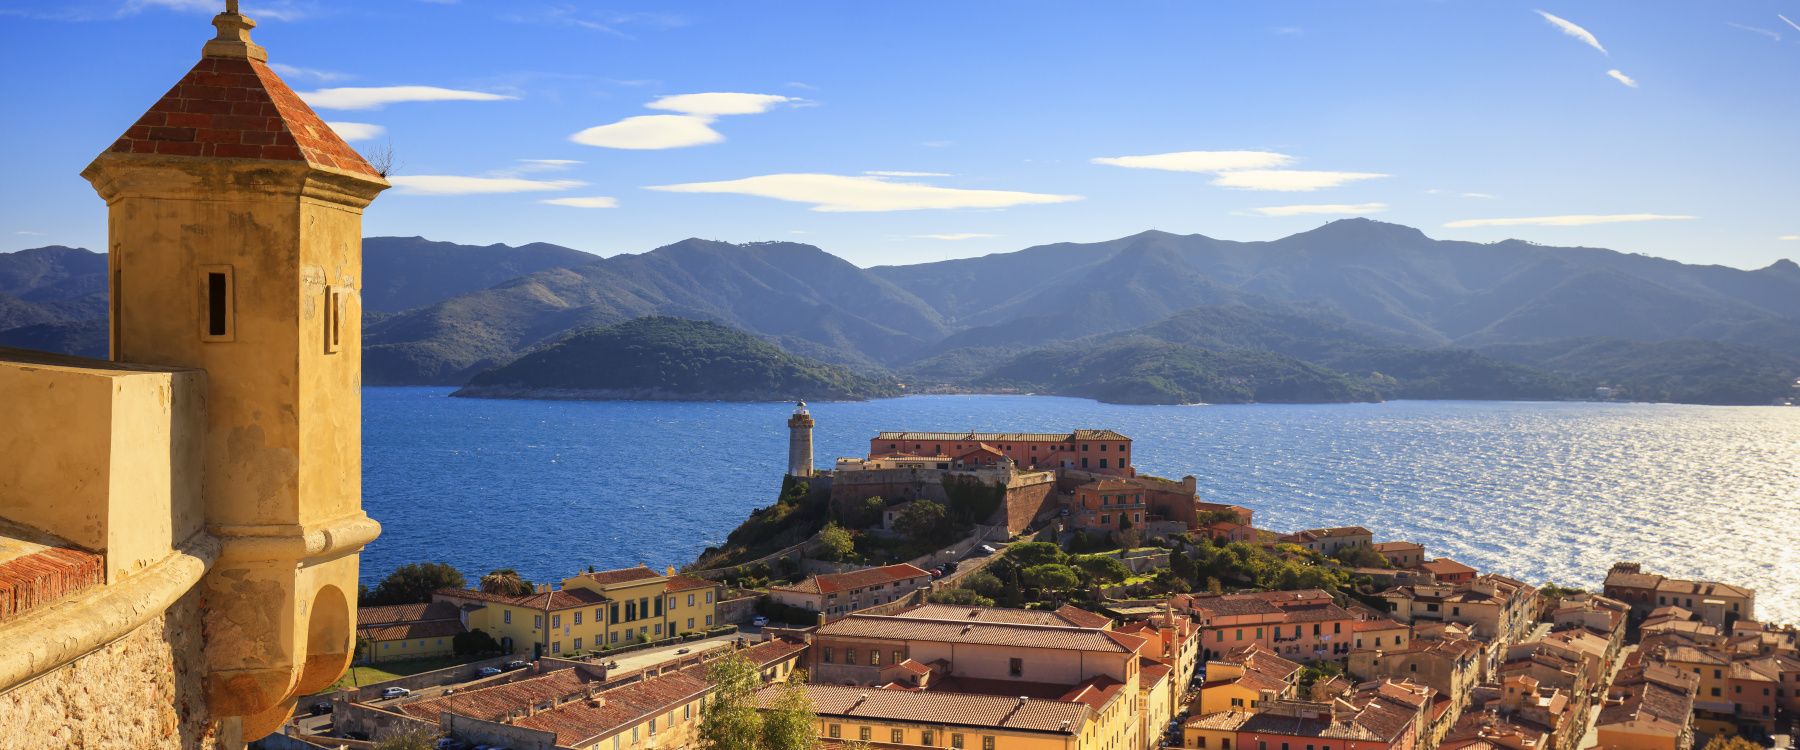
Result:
pixel 1539 491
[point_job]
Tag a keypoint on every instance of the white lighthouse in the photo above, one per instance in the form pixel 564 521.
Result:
pixel 800 458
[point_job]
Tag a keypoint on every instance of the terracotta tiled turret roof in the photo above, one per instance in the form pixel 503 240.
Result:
pixel 232 106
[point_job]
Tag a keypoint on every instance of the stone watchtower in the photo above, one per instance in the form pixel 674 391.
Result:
pixel 800 453
pixel 235 247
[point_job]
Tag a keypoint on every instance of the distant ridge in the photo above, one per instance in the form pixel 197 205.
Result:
pixel 1383 304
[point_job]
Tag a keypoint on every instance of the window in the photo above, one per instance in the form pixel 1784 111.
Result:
pixel 578 617
pixel 577 644
pixel 956 740
pixel 614 638
pixel 615 612
pixel 1200 742
pixel 537 621
pixel 834 731
pixel 897 736
pixel 659 607
pixel 687 712
pixel 1015 667
pixel 630 611
pixel 849 656
pixel 652 726
pixel 217 322
pixel 874 657
pixel 690 600
pixel 658 628
pixel 556 647
pixel 1084 461
pixel 334 318
pixel 925 737
pixel 709 620
pixel 897 657
pixel 987 742
pixel 828 654
pixel 690 623
pixel 556 621
pixel 1103 461
pixel 864 734
pixel 1225 743
pixel 506 616
pixel 671 602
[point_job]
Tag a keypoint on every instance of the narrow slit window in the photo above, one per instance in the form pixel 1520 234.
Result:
pixel 334 318
pixel 217 304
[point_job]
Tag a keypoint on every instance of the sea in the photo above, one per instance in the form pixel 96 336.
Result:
pixel 1542 492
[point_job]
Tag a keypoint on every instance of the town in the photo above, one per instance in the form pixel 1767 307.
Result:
pixel 1195 629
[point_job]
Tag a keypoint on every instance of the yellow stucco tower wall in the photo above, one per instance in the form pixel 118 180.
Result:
pixel 235 255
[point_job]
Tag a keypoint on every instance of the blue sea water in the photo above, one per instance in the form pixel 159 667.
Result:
pixel 1538 491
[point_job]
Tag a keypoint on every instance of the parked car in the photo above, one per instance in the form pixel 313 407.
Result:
pixel 950 567
pixel 759 621
pixel 680 651
pixel 395 692
pixel 488 671
pixel 987 549
pixel 516 664
pixel 321 708
pixel 937 572
pixel 449 691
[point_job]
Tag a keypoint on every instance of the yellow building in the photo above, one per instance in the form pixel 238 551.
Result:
pixel 213 468
pixel 1242 679
pixel 969 721
pixel 408 631
pixel 593 611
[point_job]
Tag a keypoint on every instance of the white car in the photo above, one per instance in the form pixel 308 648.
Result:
pixel 395 692
pixel 759 621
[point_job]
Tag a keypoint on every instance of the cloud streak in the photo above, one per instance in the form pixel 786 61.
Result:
pixel 598 201
pixel 897 173
pixel 1567 220
pixel 376 97
pixel 440 184
pixel 832 193
pixel 651 132
pixel 1199 161
pixel 1570 28
pixel 1616 75
pixel 1784 19
pixel 1322 209
pixel 1772 35
pixel 954 236
pixel 1290 180
pixel 357 131
pixel 719 103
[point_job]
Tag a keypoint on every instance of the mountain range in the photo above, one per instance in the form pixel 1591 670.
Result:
pixel 1354 309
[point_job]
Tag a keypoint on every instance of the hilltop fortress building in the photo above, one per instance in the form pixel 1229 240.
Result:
pixel 181 524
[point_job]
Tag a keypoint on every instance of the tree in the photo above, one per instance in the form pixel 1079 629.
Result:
pixel 1035 553
pixel 787 724
pixel 922 521
pixel 413 583
pixel 872 510
pixel 1127 537
pixel 983 583
pixel 1723 742
pixel 1013 595
pixel 730 720
pixel 1103 568
pixel 961 597
pixel 1050 577
pixel 505 582
pixel 473 642
pixel 1166 580
pixel 835 544
pixel 1182 565
pixel 1361 556
pixel 420 740
pixel 1319 670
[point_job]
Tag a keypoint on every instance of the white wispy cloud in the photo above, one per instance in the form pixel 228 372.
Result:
pixel 1567 220
pixel 1322 209
pixel 897 173
pixel 29 233
pixel 1570 28
pixel 1476 195
pixel 651 132
pixel 1619 76
pixel 848 193
pixel 295 72
pixel 1784 19
pixel 1289 180
pixel 598 201
pixel 443 184
pixel 357 131
pixel 952 236
pixel 376 97
pixel 1787 237
pixel 1199 161
pixel 1773 35
pixel 715 104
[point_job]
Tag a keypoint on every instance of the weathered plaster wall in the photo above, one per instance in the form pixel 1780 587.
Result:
pixel 141 691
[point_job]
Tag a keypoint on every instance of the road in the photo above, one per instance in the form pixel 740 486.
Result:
pixel 1592 738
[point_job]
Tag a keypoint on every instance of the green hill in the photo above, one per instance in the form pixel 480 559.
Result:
pixel 662 358
pixel 1145 371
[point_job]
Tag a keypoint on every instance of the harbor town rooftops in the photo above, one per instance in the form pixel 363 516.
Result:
pixel 1010 437
pixel 559 599
pixel 400 631
pixel 1286 606
pixel 496 702
pixel 944 708
pixel 1066 615
pixel 579 722
pixel 1445 567
pixel 1336 531
pixel 622 575
pixel 686 583
pixel 393 613
pixel 834 583
pixel 1677 587
pixel 1375 721
pixel 1650 699
pixel 1398 547
pixel 982 632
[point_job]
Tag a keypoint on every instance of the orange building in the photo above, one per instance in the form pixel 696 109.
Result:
pixel 1097 451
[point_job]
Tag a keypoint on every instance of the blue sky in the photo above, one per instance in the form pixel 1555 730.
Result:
pixel 1656 127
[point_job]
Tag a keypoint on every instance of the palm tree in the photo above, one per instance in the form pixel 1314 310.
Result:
pixel 505 582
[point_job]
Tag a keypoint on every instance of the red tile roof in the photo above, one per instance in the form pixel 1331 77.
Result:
pixel 579 721
pixel 234 108
pixel 559 599
pixel 834 583
pixel 684 583
pixel 46 575
pixel 408 630
pixel 622 575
